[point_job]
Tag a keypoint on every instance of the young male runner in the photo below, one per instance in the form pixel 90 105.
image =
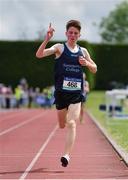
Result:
pixel 70 58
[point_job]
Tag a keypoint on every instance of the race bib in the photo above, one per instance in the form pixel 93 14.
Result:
pixel 72 84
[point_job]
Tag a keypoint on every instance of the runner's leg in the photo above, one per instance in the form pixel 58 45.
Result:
pixel 62 115
pixel 72 116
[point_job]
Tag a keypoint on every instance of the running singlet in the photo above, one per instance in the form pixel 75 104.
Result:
pixel 68 72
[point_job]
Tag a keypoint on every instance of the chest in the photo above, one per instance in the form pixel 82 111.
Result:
pixel 69 57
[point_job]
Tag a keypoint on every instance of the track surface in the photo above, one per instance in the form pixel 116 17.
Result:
pixel 31 145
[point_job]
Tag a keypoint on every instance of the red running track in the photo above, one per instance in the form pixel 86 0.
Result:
pixel 31 145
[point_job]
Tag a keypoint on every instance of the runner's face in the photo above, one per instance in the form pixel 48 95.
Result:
pixel 73 34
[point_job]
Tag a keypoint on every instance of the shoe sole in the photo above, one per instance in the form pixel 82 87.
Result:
pixel 64 161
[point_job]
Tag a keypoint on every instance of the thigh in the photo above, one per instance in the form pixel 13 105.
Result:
pixel 61 101
pixel 74 111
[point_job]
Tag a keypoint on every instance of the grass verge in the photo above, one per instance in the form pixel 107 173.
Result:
pixel 118 129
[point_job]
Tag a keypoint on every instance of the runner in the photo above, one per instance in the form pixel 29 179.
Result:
pixel 86 90
pixel 70 58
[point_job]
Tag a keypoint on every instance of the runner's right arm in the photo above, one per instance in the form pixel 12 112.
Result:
pixel 42 50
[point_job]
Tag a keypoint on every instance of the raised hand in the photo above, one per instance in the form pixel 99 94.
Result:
pixel 49 32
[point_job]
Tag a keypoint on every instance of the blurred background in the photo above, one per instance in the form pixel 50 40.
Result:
pixel 29 19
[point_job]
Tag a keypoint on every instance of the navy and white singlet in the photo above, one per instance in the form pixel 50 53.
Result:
pixel 68 79
pixel 68 72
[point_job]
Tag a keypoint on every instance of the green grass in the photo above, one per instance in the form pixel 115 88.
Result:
pixel 117 129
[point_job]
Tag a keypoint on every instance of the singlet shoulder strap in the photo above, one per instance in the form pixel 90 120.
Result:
pixel 65 47
pixel 81 51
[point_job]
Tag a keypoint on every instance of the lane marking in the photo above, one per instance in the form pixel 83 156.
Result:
pixel 78 179
pixel 23 176
pixel 81 179
pixel 13 115
pixel 22 124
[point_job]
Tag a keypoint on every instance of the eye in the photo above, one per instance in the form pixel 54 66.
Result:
pixel 76 33
pixel 71 33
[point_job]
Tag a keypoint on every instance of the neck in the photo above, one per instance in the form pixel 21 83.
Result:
pixel 71 45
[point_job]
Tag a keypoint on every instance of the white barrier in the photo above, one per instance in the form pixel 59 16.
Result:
pixel 115 98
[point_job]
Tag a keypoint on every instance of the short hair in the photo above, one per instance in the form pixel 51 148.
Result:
pixel 74 23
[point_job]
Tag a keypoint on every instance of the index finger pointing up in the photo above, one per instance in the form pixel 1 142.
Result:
pixel 50 25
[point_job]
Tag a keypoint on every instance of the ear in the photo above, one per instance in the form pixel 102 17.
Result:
pixel 66 33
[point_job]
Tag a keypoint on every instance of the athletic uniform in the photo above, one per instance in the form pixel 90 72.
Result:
pixel 68 78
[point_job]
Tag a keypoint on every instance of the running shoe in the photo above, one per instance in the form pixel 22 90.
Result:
pixel 65 160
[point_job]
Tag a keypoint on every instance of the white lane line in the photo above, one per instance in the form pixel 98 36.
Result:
pixel 13 115
pixel 76 179
pixel 22 124
pixel 81 179
pixel 23 176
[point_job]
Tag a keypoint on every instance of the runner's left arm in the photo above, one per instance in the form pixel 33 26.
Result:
pixel 87 61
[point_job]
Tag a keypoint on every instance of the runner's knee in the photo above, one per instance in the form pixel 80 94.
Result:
pixel 71 123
